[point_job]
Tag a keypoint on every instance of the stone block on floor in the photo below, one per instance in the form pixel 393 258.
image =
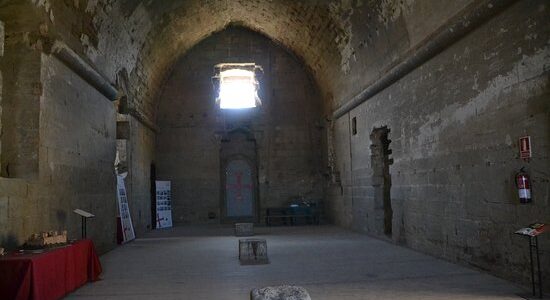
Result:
pixel 244 229
pixel 286 292
pixel 253 251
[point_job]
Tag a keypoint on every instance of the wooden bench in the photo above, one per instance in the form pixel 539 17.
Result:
pixel 290 215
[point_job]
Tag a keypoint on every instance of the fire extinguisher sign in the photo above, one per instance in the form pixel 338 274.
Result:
pixel 525 147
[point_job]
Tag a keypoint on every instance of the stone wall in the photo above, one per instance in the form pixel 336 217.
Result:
pixel 141 147
pixel 21 90
pixel 2 38
pixel 287 127
pixel 455 123
pixel 77 151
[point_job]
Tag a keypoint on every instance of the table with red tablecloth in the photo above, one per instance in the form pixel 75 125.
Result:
pixel 49 275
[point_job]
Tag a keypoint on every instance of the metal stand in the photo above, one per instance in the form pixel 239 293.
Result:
pixel 534 246
pixel 83 215
pixel 83 227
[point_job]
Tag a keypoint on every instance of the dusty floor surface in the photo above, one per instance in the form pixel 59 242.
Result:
pixel 331 263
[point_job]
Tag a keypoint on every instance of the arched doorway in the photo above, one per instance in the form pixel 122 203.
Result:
pixel 239 201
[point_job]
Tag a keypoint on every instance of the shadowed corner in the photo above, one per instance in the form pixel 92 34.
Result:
pixel 9 242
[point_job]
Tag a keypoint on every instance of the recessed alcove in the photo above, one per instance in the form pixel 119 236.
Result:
pixel 194 132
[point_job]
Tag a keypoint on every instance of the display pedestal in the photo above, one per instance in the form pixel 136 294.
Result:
pixel 84 216
pixel 531 233
pixel 253 252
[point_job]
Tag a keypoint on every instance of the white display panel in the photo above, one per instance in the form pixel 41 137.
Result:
pixel 128 233
pixel 164 204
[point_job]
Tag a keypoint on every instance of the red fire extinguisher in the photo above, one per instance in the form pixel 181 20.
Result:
pixel 523 184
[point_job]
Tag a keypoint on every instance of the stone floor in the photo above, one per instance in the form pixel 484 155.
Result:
pixel 331 263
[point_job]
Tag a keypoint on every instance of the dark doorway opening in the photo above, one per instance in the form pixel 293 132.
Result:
pixel 153 179
pixel 380 161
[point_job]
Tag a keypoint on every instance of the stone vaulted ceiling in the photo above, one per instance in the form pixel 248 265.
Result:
pixel 147 37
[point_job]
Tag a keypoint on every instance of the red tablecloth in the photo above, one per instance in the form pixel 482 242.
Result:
pixel 49 275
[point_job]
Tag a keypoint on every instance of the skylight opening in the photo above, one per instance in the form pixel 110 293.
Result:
pixel 236 86
pixel 237 89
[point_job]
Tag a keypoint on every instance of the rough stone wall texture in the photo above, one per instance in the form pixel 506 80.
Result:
pixel 21 92
pixel 340 202
pixel 287 127
pixel 140 151
pixel 77 151
pixel 1 82
pixel 455 124
pixel 2 38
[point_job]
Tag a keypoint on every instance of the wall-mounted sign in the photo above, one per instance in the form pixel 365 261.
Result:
pixel 525 147
pixel 164 204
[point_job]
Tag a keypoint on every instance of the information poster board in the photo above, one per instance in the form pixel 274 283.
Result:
pixel 128 233
pixel 164 204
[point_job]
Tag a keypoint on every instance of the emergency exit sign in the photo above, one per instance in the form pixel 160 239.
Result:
pixel 525 147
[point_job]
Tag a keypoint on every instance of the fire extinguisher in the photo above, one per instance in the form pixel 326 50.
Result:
pixel 523 184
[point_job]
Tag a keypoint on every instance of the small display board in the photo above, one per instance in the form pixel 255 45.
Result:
pixel 124 211
pixel 164 204
pixel 532 230
pixel 83 213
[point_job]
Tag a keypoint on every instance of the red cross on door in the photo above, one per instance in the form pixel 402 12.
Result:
pixel 239 189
